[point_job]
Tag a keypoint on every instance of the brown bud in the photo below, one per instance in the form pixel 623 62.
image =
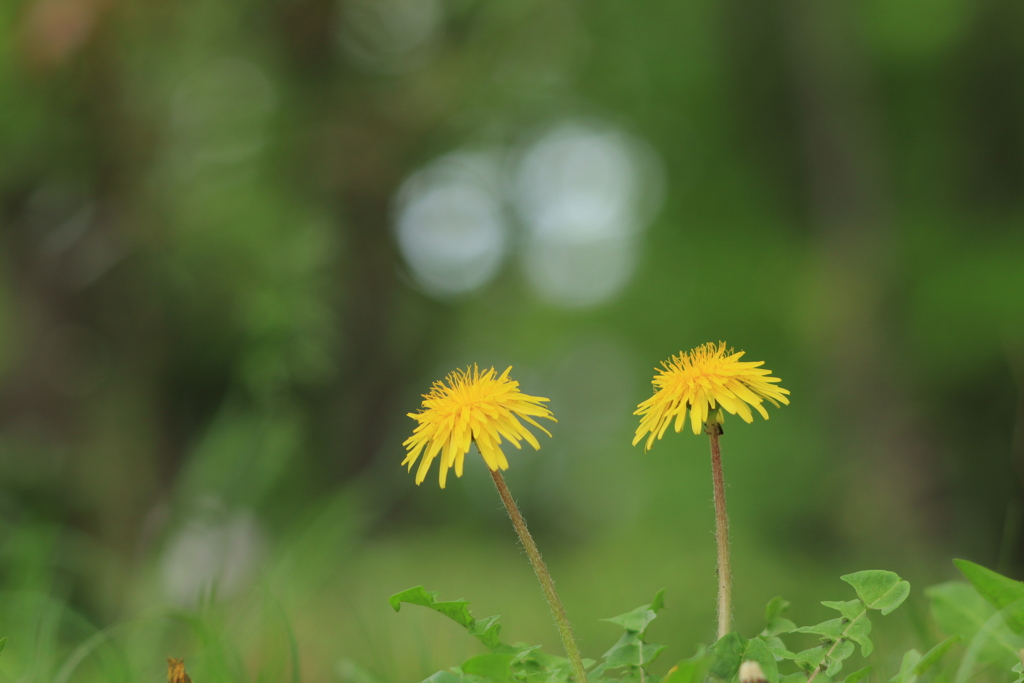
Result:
pixel 176 671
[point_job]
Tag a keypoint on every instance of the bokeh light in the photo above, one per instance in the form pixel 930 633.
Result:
pixel 219 113
pixel 584 193
pixel 450 223
pixel 388 35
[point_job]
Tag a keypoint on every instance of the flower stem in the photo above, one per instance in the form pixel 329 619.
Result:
pixel 721 533
pixel 546 582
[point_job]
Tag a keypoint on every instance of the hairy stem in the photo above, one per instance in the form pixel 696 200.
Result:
pixel 544 576
pixel 721 533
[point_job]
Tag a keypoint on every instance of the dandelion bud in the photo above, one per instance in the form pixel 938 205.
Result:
pixel 750 672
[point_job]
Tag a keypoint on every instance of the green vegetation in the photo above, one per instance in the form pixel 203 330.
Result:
pixel 983 622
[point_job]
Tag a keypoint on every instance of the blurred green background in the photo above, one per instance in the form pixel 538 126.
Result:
pixel 239 239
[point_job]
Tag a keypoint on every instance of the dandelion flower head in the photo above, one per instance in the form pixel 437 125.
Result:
pixel 705 380
pixel 472 406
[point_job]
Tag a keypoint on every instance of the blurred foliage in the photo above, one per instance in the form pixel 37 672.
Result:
pixel 209 333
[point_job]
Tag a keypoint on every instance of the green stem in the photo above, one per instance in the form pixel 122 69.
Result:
pixel 546 582
pixel 713 430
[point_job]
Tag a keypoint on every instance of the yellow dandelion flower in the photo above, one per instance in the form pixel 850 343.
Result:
pixel 472 406
pixel 705 380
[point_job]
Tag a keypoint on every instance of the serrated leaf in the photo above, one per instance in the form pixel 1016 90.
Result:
pixel 932 657
pixel 486 630
pixel 858 632
pixel 637 620
pixel 630 650
pixel 850 609
pixel 779 626
pixel 759 651
pixel 858 675
pixel 906 673
pixel 534 658
pixel 1001 592
pixel 726 655
pixel 639 656
pixel 1018 669
pixel 842 651
pixel 456 610
pixel 857 624
pixel 525 660
pixel 778 649
pixel 811 659
pixel 832 629
pixel 493 665
pixel 879 589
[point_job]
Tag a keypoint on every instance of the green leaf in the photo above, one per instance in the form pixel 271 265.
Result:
pixel 690 670
pixel 858 633
pixel 851 609
pixel 631 651
pixel 533 655
pixel 831 629
pixel 759 651
pixel 541 667
pixel 842 650
pixel 858 626
pixel 778 648
pixel 493 665
pixel 858 675
pixel 658 603
pixel 3 643
pixel 932 657
pixel 1018 669
pixel 811 659
pixel 554 677
pixel 631 676
pixel 455 610
pixel 486 630
pixel 726 655
pixel 1001 592
pixel 637 620
pixel 775 622
pixel 446 676
pixel 958 609
pixel 798 677
pixel 879 589
pixel 906 674
pixel 774 609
